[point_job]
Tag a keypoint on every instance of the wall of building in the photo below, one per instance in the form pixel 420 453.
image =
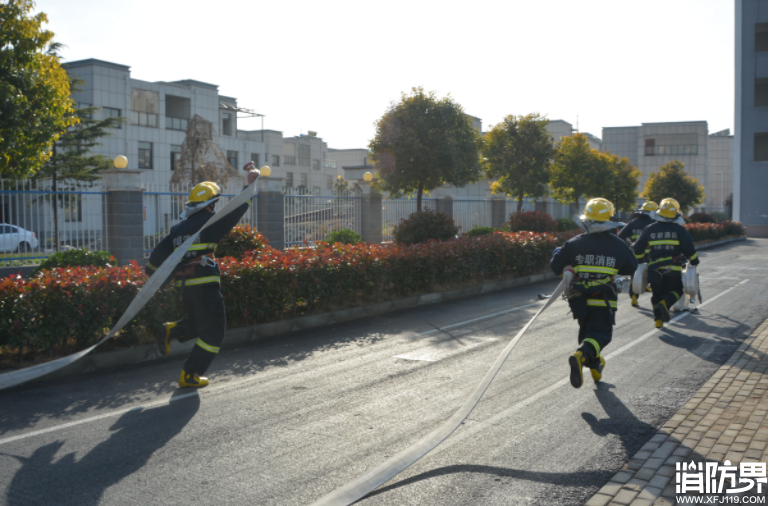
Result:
pixel 750 174
pixel 721 163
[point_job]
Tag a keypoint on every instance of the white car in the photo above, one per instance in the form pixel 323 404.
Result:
pixel 13 238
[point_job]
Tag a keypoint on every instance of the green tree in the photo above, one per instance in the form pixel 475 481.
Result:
pixel 423 142
pixel 518 153
pixel 580 171
pixel 72 158
pixel 624 182
pixel 672 182
pixel 35 103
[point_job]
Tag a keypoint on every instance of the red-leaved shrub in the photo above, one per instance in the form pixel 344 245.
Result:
pixel 532 221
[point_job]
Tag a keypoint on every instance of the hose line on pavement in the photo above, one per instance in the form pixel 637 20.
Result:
pixel 361 486
pixel 152 285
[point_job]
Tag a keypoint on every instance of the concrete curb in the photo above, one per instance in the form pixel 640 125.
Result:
pixel 242 335
pixel 719 243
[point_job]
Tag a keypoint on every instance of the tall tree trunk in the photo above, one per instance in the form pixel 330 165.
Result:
pixel 520 202
pixel 419 196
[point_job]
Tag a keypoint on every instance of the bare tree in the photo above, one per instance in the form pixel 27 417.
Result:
pixel 202 159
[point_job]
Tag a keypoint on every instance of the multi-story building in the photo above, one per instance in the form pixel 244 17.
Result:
pixel 158 114
pixel 652 145
pixel 750 116
pixel 720 170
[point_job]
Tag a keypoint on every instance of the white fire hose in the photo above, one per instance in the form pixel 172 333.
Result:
pixel 359 487
pixel 152 285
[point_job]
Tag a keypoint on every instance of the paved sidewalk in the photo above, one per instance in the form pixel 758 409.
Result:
pixel 725 420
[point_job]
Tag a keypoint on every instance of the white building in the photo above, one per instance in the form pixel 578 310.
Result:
pixel 159 112
pixel 652 145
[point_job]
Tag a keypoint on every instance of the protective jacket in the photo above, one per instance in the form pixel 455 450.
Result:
pixel 596 258
pixel 633 229
pixel 205 270
pixel 669 245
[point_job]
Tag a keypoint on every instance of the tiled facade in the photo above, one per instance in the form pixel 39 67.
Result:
pixel 751 179
pixel 721 167
pixel 652 145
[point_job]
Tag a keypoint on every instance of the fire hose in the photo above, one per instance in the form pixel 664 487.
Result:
pixel 152 285
pixel 361 486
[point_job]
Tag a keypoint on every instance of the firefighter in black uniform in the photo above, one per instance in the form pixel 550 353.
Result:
pixel 197 278
pixel 670 246
pixel 631 232
pixel 589 262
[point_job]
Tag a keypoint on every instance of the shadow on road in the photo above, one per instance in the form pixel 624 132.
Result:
pixel 577 479
pixel 135 437
pixel 622 422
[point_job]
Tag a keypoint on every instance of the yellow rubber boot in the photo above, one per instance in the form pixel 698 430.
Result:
pixel 164 338
pixel 664 311
pixel 597 372
pixel 188 379
pixel 634 301
pixel 576 361
pixel 658 324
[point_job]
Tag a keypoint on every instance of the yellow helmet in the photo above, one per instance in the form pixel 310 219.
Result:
pixel 649 206
pixel 669 208
pixel 201 196
pixel 609 203
pixel 598 210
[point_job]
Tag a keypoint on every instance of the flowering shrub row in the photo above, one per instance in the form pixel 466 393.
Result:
pixel 532 221
pixel 68 308
pixel 712 231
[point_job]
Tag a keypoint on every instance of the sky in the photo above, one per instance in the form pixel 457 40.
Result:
pixel 334 67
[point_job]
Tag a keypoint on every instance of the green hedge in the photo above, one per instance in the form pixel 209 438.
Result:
pixel 68 309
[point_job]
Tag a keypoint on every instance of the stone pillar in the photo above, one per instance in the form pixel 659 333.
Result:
pixel 541 206
pixel 124 223
pixel 444 201
pixel 269 210
pixel 370 212
pixel 498 210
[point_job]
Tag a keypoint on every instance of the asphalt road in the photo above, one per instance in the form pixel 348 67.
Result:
pixel 287 421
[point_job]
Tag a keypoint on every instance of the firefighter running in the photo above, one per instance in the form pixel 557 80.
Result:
pixel 670 246
pixel 631 232
pixel 197 279
pixel 589 262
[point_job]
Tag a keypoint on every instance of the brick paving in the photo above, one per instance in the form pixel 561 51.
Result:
pixel 725 420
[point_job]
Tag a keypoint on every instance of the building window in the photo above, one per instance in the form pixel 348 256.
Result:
pixel 255 159
pixel 176 156
pixel 760 147
pixel 761 40
pixel 232 158
pixel 329 183
pixel 760 92
pixel 329 164
pixel 226 123
pixel 316 165
pixel 649 147
pixel 275 161
pixel 110 112
pixel 176 123
pixel 73 209
pixel 289 154
pixel 303 180
pixel 304 155
pixel 145 155
pixel 146 119
pixel 289 179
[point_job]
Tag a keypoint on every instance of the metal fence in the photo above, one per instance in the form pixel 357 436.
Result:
pixel 395 210
pixel 310 218
pixel 164 202
pixel 470 213
pixel 32 215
